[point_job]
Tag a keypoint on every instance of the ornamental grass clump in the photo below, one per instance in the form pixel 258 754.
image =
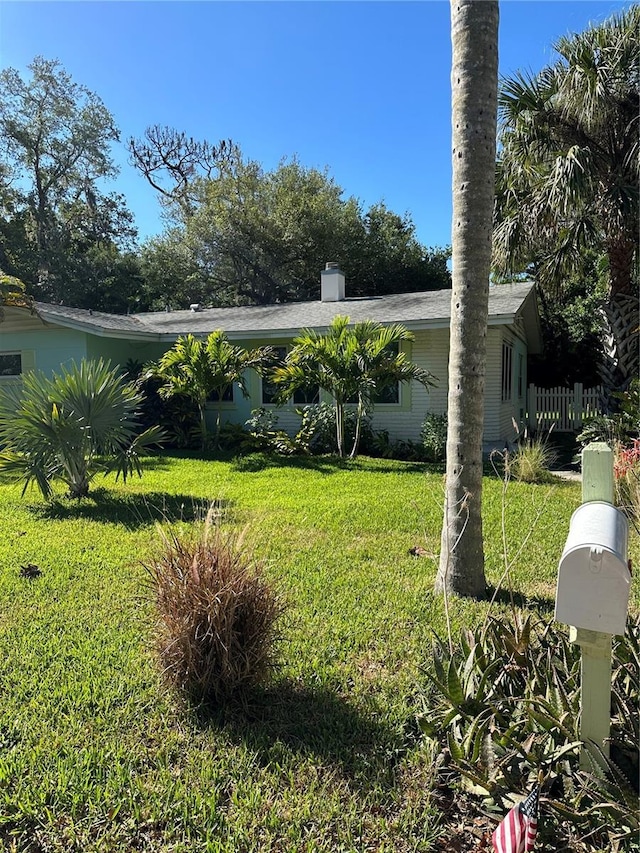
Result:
pixel 216 614
pixel 531 459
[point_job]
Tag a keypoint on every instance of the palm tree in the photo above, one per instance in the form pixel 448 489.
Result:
pixel 206 369
pixel 474 83
pixel 567 177
pixel 71 426
pixel 352 364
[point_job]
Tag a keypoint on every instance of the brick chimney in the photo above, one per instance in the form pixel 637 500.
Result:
pixel 331 283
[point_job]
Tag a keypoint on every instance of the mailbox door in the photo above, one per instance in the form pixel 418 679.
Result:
pixel 593 591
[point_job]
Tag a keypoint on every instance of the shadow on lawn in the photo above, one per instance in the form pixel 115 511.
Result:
pixel 132 511
pixel 314 721
pixel 254 462
pixel 543 604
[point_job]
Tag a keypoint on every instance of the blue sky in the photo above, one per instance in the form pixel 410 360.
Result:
pixel 360 87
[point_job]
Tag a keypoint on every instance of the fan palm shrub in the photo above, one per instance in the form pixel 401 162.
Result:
pixel 567 175
pixel 70 426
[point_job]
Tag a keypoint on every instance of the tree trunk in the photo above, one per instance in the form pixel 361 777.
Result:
pixel 621 344
pixel 340 426
pixel 40 214
pixel 356 437
pixel 474 85
pixel 620 253
pixel 202 412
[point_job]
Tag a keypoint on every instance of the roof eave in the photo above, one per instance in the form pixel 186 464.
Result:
pixel 94 328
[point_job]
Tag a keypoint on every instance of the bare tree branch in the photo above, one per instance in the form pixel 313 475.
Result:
pixel 167 155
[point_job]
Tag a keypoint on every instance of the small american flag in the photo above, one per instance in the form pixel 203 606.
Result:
pixel 517 832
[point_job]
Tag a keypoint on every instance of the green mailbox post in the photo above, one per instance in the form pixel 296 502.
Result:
pixel 592 595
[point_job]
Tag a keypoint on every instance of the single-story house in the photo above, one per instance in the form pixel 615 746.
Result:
pixel 53 335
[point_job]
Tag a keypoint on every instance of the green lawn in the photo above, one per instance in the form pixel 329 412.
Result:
pixel 96 755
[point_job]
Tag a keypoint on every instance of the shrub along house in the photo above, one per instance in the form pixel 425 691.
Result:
pixel 49 336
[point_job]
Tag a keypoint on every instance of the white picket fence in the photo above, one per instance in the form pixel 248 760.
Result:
pixel 565 409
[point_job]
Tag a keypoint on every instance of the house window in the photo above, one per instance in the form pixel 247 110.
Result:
pixel 10 364
pixel 507 364
pixel 385 395
pixel 227 395
pixel 270 389
pixel 520 375
pixel 302 397
pixel 388 394
pixel 307 397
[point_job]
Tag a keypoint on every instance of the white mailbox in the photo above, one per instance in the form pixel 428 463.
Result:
pixel 593 575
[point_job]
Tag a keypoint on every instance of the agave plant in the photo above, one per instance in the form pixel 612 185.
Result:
pixel 70 426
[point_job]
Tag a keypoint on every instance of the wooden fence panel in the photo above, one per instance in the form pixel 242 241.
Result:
pixel 564 409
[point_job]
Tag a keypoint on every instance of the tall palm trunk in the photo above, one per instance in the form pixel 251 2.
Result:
pixel 621 344
pixel 474 85
pixel 621 253
pixel 621 340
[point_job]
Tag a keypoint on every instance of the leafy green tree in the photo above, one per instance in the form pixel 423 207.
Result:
pixel 12 292
pixel 386 257
pixel 250 236
pixel 567 177
pixel 71 426
pixel 474 84
pixel 571 325
pixel 56 137
pixel 206 369
pixel 261 238
pixel 351 363
pixel 172 275
pixel 104 278
pixel 16 251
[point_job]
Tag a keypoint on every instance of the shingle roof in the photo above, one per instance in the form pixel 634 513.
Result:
pixel 91 320
pixel 415 310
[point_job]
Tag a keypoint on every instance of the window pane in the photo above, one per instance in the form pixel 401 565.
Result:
pixel 388 394
pixel 307 397
pixel 10 364
pixel 227 396
pixel 269 389
pixel 520 375
pixel 507 356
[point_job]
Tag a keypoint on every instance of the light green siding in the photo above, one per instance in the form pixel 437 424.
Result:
pixel 28 360
pixel 500 413
pixel 45 349
pixel 118 351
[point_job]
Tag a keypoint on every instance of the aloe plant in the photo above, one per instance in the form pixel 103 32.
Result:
pixel 505 704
